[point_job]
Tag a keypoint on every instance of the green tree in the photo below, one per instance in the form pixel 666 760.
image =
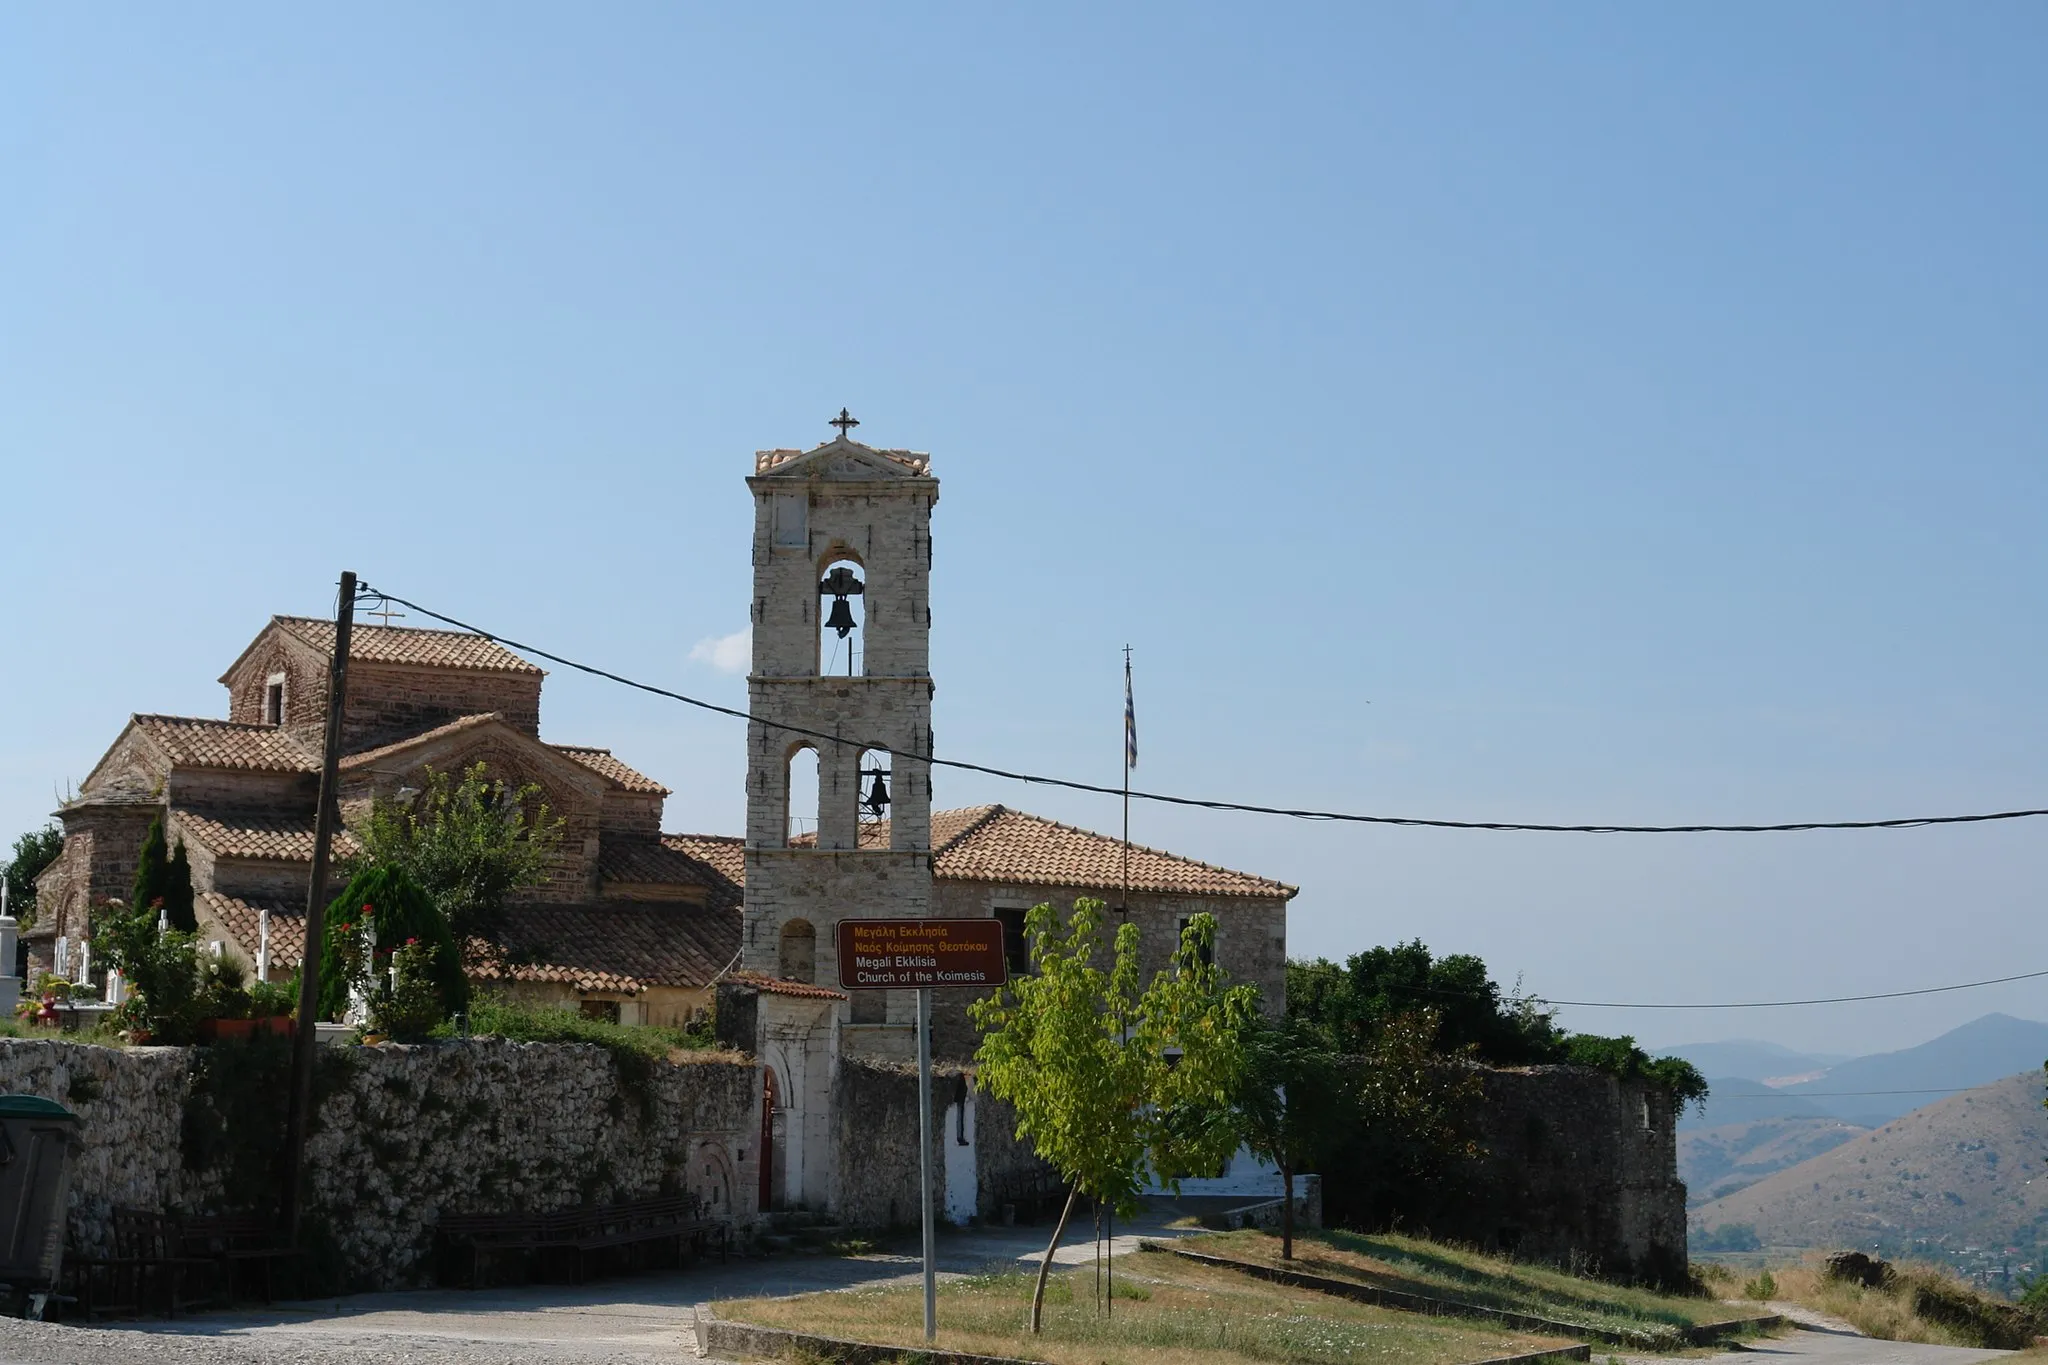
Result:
pixel 467 844
pixel 33 852
pixel 402 915
pixel 1296 1105
pixel 152 870
pixel 1108 1081
pixel 179 909
pixel 162 971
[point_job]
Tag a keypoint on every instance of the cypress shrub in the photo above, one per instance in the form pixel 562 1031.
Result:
pixel 177 892
pixel 400 910
pixel 152 870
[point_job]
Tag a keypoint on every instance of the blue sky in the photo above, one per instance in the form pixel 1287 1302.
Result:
pixel 1560 413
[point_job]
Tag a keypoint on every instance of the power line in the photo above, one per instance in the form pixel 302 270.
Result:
pixel 1858 1094
pixel 1496 998
pixel 1162 798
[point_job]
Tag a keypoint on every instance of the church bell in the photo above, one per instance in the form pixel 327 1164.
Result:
pixel 877 800
pixel 841 618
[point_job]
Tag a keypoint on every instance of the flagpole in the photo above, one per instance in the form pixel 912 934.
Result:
pixel 1124 904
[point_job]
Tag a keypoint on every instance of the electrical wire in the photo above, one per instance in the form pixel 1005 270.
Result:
pixel 1855 1094
pixel 1495 997
pixel 1038 779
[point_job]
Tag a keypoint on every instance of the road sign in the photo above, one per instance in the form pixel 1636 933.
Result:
pixel 920 954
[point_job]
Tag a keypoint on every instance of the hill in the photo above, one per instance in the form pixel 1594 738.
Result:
pixel 1979 1052
pixel 1749 1059
pixel 1733 1099
pixel 1960 1171
pixel 1716 1162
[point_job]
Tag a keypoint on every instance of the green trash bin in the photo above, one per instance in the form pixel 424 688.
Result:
pixel 39 1140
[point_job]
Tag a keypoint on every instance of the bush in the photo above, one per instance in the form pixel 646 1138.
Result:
pixel 1763 1287
pixel 162 971
pixel 409 1008
pixel 402 913
pixel 274 999
pixel 634 1049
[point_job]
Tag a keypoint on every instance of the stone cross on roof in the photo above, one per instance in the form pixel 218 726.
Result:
pixel 845 421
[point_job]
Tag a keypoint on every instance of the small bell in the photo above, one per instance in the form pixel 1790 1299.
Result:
pixel 841 618
pixel 877 800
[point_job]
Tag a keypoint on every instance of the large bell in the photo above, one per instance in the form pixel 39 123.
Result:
pixel 877 799
pixel 841 618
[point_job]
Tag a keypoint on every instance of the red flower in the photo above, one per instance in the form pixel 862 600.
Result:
pixel 412 943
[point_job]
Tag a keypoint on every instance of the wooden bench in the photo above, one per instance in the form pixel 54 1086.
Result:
pixel 150 1271
pixel 236 1240
pixel 641 1228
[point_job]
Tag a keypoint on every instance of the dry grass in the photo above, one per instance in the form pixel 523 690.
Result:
pixel 1925 1303
pixel 1176 1314
pixel 1391 1261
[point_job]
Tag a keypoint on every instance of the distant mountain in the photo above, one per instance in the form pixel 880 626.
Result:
pixel 1731 1100
pixel 1715 1162
pixel 1749 1059
pixel 1980 1051
pixel 1965 1170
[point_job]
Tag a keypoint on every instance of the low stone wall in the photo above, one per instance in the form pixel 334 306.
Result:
pixel 400 1133
pixel 875 1144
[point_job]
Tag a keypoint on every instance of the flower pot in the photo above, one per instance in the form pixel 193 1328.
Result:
pixel 224 1030
pixel 221 1030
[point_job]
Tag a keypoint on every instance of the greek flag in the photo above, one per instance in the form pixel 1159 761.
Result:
pixel 1130 719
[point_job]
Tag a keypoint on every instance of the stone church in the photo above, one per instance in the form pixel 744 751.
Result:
pixel 633 923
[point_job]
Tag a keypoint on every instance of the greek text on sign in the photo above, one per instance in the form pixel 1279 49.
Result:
pixel 892 954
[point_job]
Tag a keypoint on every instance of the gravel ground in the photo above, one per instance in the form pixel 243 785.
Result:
pixel 37 1343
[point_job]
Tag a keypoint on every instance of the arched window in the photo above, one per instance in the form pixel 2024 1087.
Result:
pixel 797 959
pixel 877 789
pixel 800 795
pixel 842 619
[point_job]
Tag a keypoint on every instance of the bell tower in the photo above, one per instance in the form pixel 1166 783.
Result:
pixel 841 669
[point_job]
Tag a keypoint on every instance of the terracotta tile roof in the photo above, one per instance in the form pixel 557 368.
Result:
pixel 777 986
pixel 401 645
pixel 723 854
pixel 997 844
pixel 916 461
pixel 238 917
pixel 601 947
pixel 600 761
pixel 369 757
pixel 240 834
pixel 195 742
pixel 615 946
pixel 654 863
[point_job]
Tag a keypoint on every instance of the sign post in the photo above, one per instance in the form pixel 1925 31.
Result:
pixel 923 955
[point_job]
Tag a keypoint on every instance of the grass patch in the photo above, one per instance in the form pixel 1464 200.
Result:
pixel 1168 1312
pixel 1923 1303
pixel 1415 1266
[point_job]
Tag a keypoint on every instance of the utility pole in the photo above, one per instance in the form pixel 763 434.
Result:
pixel 304 1037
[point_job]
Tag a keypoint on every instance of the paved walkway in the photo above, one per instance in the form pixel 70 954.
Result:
pixel 633 1319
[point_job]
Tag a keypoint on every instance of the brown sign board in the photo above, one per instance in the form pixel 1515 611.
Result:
pixel 893 954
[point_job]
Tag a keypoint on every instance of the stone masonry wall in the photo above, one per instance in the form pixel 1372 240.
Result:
pixel 875 1143
pixel 479 1125
pixel 1580 1169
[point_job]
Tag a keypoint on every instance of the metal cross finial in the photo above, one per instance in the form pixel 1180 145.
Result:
pixel 385 611
pixel 845 421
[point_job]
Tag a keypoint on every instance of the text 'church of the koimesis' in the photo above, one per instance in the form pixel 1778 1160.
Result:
pixel 632 923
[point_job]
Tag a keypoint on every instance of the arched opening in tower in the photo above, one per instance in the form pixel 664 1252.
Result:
pixel 800 795
pixel 842 619
pixel 877 790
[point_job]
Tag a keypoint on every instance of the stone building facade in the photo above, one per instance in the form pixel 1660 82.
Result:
pixel 633 923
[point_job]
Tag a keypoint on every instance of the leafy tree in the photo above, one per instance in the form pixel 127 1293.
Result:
pixel 1109 1081
pixel 33 852
pixel 467 844
pixel 1297 1104
pixel 403 915
pixel 152 870
pixel 162 971
pixel 1349 1005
